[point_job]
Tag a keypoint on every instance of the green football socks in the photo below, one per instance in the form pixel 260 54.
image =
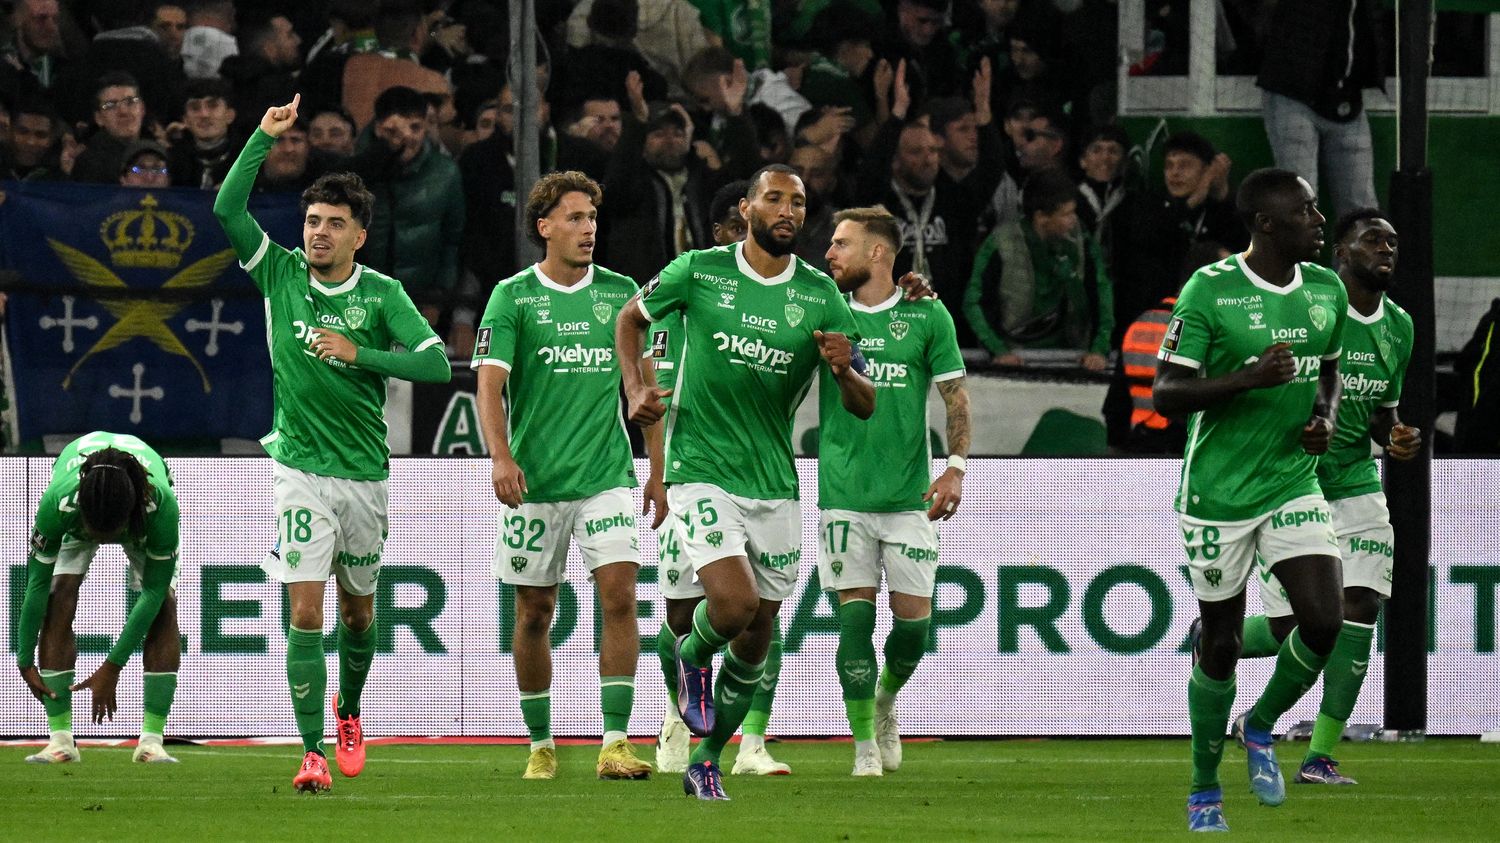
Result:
pixel 1257 640
pixel 1209 701
pixel 733 691
pixel 904 648
pixel 856 666
pixel 666 650
pixel 1342 678
pixel 356 649
pixel 1297 668
pixel 616 696
pixel 704 641
pixel 307 675
pixel 59 709
pixel 765 692
pixel 158 691
pixel 536 711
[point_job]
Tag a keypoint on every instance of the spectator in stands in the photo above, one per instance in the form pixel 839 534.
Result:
pixel 264 72
pixel 145 165
pixel 982 31
pixel 331 132
pixel 1040 282
pixel 820 175
pixel 973 157
pixel 444 128
pixel 1040 140
pixel 209 39
pixel 1196 206
pixel 770 133
pixel 126 43
pixel 656 212
pixel 201 154
pixel 419 202
pixel 1131 423
pixel 1033 71
pixel 725 222
pixel 32 153
pixel 917 34
pixel 481 122
pixel 447 43
pixel 718 84
pixel 837 80
pixel 169 21
pixel 351 30
pixel 778 86
pixel 398 27
pixel 287 168
pixel 589 132
pixel 599 65
pixel 118 113
pixel 667 33
pixel 1319 58
pixel 34 58
pixel 1108 203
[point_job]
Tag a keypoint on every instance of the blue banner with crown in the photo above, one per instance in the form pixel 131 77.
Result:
pixel 127 311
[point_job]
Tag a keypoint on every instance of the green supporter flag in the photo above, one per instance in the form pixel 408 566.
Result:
pixel 744 25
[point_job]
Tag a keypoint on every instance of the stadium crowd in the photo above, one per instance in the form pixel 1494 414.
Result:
pixel 987 127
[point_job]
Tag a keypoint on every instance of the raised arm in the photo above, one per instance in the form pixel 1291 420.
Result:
pixel 231 205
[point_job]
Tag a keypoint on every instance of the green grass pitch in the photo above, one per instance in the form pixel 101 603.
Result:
pixel 951 790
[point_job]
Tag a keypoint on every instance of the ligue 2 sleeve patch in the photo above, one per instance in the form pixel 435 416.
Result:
pixel 482 344
pixel 651 285
pixel 38 543
pixel 658 345
pixel 1174 334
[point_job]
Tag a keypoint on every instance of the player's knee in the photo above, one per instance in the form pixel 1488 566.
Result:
pixel 1282 626
pixel 1320 631
pixel 1361 605
pixel 534 616
pixel 680 615
pixel 733 613
pixel 357 618
pixel 1221 649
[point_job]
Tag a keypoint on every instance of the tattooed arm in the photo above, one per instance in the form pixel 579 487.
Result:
pixel 945 492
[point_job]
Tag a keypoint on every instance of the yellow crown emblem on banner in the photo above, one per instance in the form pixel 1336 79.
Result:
pixel 146 238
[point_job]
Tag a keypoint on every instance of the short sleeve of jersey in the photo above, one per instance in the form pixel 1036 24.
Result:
pixel 407 324
pixel 1190 332
pixel 944 359
pixel 495 341
pixel 841 319
pixel 1336 340
pixel 267 264
pixel 162 531
pixel 47 530
pixel 668 291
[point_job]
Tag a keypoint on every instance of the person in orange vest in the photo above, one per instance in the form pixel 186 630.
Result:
pixel 1132 425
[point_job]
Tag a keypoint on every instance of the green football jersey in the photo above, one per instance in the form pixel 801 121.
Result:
pixel 1376 351
pixel 58 517
pixel 1244 456
pixel 567 432
pixel 747 360
pixel 885 464
pixel 329 415
pixel 664 349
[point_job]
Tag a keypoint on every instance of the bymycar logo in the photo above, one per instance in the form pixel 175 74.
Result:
pixel 1359 384
pixel 754 352
pixel 1288 334
pixel 1238 301
pixel 576 354
pixel 885 371
pixel 728 284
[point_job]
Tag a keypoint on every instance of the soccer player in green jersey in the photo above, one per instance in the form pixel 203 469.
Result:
pixel 674 576
pixel 757 324
pixel 1377 347
pixel 1252 354
pixel 562 463
pixel 336 330
pixel 107 488
pixel 878 499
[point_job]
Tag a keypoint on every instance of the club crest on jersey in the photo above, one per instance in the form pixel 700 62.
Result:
pixel 602 311
pixel 899 329
pixel 1319 316
pixel 794 314
pixel 518 563
pixel 354 317
pixel 838 567
pixel 672 577
pixel 293 558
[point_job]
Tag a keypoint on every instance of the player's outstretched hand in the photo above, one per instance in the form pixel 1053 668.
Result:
pixel 1406 442
pixel 329 345
pixel 279 118
pixel 509 481
pixel 654 496
pixel 1316 435
pixel 1275 366
pixel 836 349
pixel 33 679
pixel 916 286
pixel 645 405
pixel 102 686
pixel 945 494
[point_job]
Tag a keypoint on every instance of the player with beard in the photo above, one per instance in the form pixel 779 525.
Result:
pixel 1377 347
pixel 331 325
pixel 758 323
pixel 1252 354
